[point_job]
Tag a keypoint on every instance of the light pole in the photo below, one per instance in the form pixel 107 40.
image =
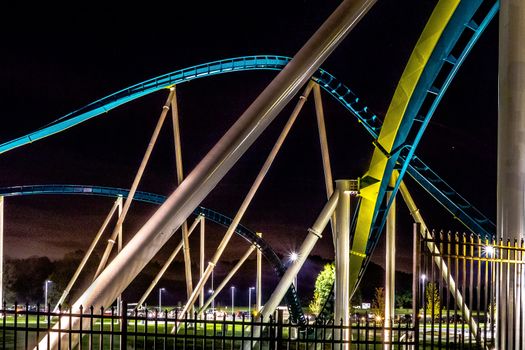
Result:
pixel 250 301
pixel 233 299
pixel 45 294
pixel 160 298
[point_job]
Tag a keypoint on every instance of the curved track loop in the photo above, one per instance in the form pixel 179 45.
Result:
pixel 429 180
pixel 250 236
pixel 396 148
pixel 395 144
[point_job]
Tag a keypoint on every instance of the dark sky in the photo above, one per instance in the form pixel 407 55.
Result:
pixel 53 64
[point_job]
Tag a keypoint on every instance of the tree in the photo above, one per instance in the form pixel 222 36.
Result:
pixel 378 304
pixel 404 299
pixel 323 286
pixel 432 300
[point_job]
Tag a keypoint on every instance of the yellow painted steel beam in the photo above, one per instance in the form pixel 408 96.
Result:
pixel 392 133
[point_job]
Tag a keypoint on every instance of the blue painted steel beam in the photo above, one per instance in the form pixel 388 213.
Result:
pixel 339 91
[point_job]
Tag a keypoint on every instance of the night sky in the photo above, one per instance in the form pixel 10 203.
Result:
pixel 55 64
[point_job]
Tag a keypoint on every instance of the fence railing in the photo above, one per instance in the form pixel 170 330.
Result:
pixel 23 328
pixel 458 279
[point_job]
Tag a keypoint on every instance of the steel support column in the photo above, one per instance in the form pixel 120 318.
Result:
pixel 390 269
pixel 201 258
pixel 342 260
pixel 325 153
pixel 249 196
pixel 314 234
pixel 214 166
pixel 510 332
pixel 258 282
pixel 119 247
pixel 438 260
pixel 1 251
pixel 135 185
pixel 180 178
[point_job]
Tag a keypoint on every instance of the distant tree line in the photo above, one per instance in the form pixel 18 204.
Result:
pixel 24 279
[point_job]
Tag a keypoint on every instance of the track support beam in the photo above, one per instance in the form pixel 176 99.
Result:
pixel 510 324
pixel 135 185
pixel 214 166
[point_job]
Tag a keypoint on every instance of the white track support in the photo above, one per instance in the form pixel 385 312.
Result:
pixel 80 267
pixel 314 234
pixel 342 261
pixel 441 264
pixel 180 178
pixel 135 184
pixel 1 251
pixel 249 196
pixel 258 282
pixel 227 278
pixel 510 225
pixel 325 153
pixel 119 248
pixel 390 268
pixel 215 165
pixel 201 257
pixel 167 263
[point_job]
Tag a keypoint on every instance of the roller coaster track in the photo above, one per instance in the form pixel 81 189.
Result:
pixel 415 100
pixel 428 179
pixel 146 197
pixel 400 154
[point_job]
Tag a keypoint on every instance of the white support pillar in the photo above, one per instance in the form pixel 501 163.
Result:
pixel 342 260
pixel 510 330
pixel 325 153
pixel 214 166
pixel 119 248
pixel 201 260
pixel 1 251
pixel 180 177
pixel 314 234
pixel 249 196
pixel 390 270
pixel 438 260
pixel 258 282
pixel 135 184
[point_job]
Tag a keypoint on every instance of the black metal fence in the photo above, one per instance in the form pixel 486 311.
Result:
pixel 23 328
pixel 456 289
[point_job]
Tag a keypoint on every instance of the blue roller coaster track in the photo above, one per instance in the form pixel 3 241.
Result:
pixel 404 159
pixel 267 251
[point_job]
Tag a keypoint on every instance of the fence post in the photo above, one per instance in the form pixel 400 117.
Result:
pixel 280 327
pixel 415 281
pixel 124 325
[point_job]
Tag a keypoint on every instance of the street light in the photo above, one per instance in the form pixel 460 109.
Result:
pixel 233 298
pixel 250 301
pixel 45 294
pixel 489 251
pixel 160 298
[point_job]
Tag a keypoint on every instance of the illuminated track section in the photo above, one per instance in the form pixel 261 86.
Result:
pixel 152 198
pixel 430 181
pixel 398 138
